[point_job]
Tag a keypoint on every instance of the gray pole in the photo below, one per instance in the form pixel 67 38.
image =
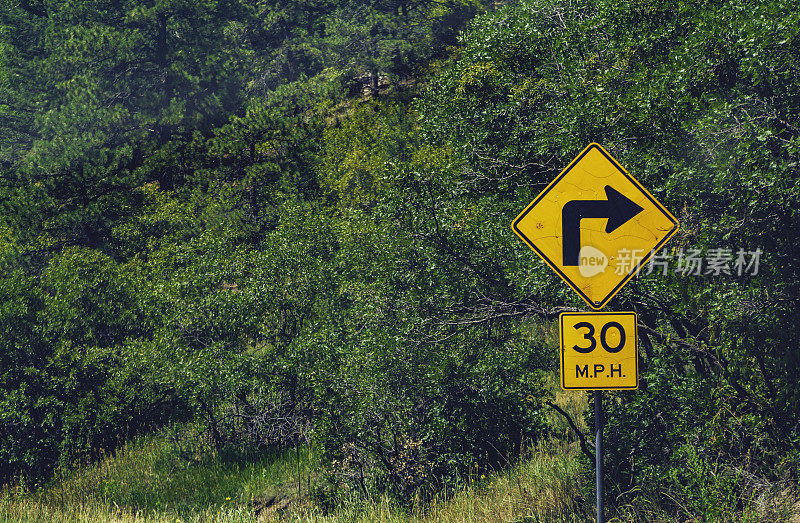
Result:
pixel 598 445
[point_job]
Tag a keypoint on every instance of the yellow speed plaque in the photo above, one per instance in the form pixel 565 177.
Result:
pixel 599 350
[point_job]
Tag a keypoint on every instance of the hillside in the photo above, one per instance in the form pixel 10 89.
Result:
pixel 237 234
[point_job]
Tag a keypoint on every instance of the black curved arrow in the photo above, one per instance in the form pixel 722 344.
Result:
pixel 617 208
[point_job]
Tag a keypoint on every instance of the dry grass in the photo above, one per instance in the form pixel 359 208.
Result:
pixel 149 481
pixel 545 488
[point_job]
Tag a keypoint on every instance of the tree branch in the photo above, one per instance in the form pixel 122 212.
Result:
pixel 581 438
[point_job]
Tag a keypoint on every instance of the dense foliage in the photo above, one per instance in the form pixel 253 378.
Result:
pixel 700 102
pixel 203 218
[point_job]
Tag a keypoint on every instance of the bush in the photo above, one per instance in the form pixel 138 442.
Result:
pixel 80 374
pixel 694 100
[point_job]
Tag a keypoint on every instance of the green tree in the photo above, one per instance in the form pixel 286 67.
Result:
pixel 112 95
pixel 697 102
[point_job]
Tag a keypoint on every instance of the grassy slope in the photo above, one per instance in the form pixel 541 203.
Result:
pixel 135 487
pixel 152 480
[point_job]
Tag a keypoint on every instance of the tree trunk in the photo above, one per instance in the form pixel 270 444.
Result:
pixel 165 179
pixel 373 83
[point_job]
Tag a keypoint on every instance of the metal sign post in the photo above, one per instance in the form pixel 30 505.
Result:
pixel 598 454
pixel 599 351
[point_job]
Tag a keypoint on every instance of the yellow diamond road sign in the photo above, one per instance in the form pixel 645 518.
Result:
pixel 599 350
pixel 595 225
